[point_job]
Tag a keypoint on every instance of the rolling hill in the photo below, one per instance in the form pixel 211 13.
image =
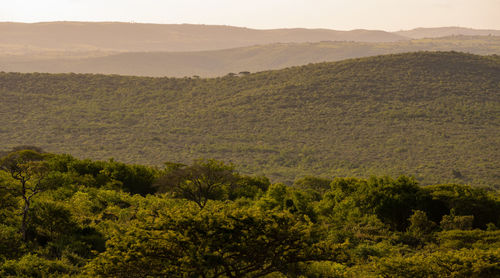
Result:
pixel 420 33
pixel 434 115
pixel 136 37
pixel 221 62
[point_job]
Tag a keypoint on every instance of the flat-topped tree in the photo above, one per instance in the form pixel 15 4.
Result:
pixel 204 180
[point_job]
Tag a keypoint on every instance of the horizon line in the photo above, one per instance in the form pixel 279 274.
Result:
pixel 243 27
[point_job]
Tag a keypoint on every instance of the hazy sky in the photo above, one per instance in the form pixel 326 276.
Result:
pixel 388 15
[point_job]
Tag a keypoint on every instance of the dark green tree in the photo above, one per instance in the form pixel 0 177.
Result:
pixel 420 227
pixel 202 181
pixel 28 169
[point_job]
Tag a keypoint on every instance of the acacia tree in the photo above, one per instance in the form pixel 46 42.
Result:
pixel 28 168
pixel 204 180
pixel 218 241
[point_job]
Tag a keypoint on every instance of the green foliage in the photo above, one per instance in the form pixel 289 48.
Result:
pixel 34 266
pixel 313 185
pixel 204 180
pixel 249 187
pixel 218 241
pixel 462 263
pixel 454 222
pixel 50 221
pixel 87 221
pixel 463 200
pixel 8 201
pixel 135 179
pixel 421 227
pixel 11 245
pixel 61 215
pixel 277 192
pixel 326 269
pixel 28 170
pixel 458 239
pixel 391 200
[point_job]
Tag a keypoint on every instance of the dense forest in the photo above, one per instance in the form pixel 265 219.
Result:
pixel 430 115
pixel 65 217
pixel 221 62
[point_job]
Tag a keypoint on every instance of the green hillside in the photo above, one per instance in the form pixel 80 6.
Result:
pixel 221 62
pixel 432 115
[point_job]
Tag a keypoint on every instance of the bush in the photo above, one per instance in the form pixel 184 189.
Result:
pixel 457 264
pixel 31 265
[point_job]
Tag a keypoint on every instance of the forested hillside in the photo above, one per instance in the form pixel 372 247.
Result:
pixel 430 115
pixel 221 62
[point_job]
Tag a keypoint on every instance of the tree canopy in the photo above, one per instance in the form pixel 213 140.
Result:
pixel 205 219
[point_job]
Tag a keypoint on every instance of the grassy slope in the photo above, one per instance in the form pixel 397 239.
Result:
pixel 432 115
pixel 221 62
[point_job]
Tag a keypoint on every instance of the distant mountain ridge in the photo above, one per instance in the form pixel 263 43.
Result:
pixel 179 50
pixel 420 33
pixel 221 62
pixel 138 37
pixel 119 36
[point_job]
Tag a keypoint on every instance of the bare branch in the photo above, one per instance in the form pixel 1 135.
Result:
pixel 33 194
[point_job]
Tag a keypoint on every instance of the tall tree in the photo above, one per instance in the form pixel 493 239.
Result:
pixel 28 168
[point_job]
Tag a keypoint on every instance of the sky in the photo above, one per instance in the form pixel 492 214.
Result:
pixel 389 15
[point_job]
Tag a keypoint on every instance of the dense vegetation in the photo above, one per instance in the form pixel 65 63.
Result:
pixel 221 62
pixel 433 116
pixel 61 216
